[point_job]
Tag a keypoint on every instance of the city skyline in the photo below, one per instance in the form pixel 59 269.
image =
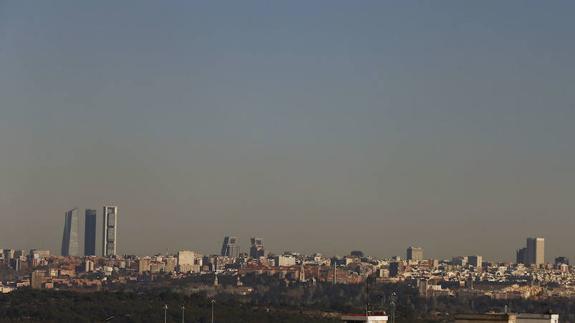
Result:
pixel 461 276
pixel 325 126
pixel 532 254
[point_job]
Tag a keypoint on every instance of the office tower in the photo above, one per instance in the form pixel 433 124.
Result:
pixel 8 254
pixel 16 263
pixel 284 261
pixel 90 232
pixel 144 265
pixel 89 266
pixel 230 247
pixel 459 261
pixel 110 231
pixel 171 264
pixel 561 261
pixel 37 278
pixel 70 237
pixel 415 253
pixel 475 261
pixel 37 254
pixel 189 261
pixel 535 251
pixel 521 256
pixel 395 268
pixel 257 247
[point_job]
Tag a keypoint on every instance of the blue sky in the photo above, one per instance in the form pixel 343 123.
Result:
pixel 325 125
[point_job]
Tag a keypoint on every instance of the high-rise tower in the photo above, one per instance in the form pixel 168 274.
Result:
pixel 230 247
pixel 257 248
pixel 521 256
pixel 414 253
pixel 90 232
pixel 70 236
pixel 535 251
pixel 110 231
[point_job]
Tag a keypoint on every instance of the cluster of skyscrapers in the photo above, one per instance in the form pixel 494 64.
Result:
pixel 231 247
pixel 533 253
pixel 70 238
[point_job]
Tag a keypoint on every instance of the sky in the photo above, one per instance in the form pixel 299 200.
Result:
pixel 320 126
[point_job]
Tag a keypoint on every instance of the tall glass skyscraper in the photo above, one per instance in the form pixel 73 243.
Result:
pixel 110 231
pixel 230 247
pixel 90 233
pixel 257 247
pixel 70 237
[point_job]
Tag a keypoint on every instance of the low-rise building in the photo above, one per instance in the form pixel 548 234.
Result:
pixel 509 318
pixel 367 318
pixel 284 261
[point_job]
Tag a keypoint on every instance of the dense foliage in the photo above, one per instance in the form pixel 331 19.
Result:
pixel 271 301
pixel 53 306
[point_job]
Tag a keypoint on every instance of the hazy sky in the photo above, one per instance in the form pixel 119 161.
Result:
pixel 318 125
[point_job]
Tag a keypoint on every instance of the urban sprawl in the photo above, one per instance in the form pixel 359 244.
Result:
pixel 231 271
